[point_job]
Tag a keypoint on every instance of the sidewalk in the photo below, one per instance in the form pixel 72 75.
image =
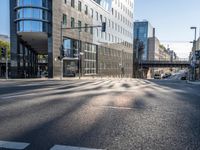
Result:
pixel 197 82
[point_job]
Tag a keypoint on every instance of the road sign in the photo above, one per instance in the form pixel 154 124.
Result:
pixel 197 54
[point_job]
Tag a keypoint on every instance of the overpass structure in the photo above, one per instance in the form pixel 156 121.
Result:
pixel 164 64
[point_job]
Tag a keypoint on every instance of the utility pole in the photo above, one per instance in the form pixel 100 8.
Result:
pixel 61 51
pixel 6 64
pixel 122 67
pixel 79 52
pixel 194 44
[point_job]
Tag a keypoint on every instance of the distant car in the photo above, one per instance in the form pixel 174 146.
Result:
pixel 157 76
pixel 184 78
pixel 166 75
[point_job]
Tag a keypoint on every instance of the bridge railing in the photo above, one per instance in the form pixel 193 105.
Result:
pixel 158 62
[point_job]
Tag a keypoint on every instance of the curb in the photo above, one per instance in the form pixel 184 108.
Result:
pixel 194 82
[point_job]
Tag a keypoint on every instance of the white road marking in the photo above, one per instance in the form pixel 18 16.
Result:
pixel 62 147
pixel 13 145
pixel 115 107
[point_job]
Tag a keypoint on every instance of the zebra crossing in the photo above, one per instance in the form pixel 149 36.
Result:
pixel 22 146
pixel 76 86
pixel 58 91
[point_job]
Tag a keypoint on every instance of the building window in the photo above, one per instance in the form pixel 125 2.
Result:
pixel 91 30
pixel 90 58
pixel 64 19
pixel 101 18
pixel 91 12
pixel 86 27
pixel 97 16
pixel 73 3
pixel 86 9
pixel 79 5
pixel 79 25
pixel 72 22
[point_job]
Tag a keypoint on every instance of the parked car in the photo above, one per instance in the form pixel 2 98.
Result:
pixel 166 75
pixel 157 76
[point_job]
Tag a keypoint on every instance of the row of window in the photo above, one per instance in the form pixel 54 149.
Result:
pixel 99 17
pixel 114 53
pixel 122 6
pixel 90 50
pixel 32 26
pixel 121 18
pixel 112 66
pixel 107 36
pixel 32 13
pixel 125 10
pixel 129 2
pixel 39 3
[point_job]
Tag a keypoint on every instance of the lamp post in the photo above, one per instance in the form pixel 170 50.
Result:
pixel 122 65
pixel 195 47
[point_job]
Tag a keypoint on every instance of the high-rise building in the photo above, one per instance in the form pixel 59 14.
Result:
pixel 39 28
pixel 142 32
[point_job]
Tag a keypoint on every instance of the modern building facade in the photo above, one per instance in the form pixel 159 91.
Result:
pixel 39 28
pixel 143 30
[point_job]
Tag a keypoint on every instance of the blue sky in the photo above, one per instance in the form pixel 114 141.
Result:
pixel 171 18
pixel 4 16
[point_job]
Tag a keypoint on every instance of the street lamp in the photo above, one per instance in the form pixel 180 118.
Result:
pixel 195 35
pixel 195 47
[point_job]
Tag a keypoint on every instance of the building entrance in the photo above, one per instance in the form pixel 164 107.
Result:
pixel 70 68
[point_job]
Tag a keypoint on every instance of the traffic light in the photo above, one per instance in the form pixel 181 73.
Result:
pixel 197 54
pixel 3 52
pixel 61 52
pixel 103 28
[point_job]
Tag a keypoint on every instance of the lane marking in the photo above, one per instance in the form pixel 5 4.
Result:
pixel 13 145
pixel 116 107
pixel 62 147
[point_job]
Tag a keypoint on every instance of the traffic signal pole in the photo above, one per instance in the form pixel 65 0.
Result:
pixel 6 66
pixel 5 55
pixel 61 49
pixel 79 55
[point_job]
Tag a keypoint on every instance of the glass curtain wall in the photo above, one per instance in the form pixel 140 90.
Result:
pixel 32 15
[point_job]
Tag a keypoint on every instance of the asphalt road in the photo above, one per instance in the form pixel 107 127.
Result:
pixel 114 114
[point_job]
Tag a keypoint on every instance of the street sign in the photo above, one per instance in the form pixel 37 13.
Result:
pixel 197 54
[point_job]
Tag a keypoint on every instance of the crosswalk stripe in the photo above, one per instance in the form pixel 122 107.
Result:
pixel 13 145
pixel 62 147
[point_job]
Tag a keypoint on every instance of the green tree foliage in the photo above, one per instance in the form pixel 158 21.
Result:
pixel 162 47
pixel 6 45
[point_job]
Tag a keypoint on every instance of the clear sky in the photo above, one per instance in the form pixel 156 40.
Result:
pixel 4 17
pixel 171 18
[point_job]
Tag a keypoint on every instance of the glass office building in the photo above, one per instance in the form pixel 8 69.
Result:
pixel 36 37
pixel 142 32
